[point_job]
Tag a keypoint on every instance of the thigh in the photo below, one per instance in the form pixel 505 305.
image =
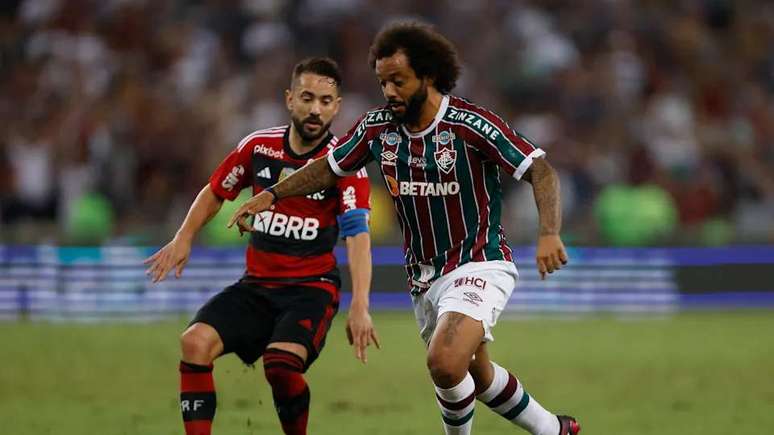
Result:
pixel 478 290
pixel 242 319
pixel 304 316
pixel 425 315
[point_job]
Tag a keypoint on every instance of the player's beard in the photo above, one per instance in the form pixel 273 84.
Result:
pixel 413 106
pixel 308 136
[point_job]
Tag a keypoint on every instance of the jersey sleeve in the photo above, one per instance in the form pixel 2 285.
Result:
pixel 354 204
pixel 512 151
pixel 354 192
pixel 233 174
pixel 352 152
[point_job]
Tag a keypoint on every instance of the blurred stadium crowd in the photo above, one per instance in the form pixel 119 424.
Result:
pixel 658 114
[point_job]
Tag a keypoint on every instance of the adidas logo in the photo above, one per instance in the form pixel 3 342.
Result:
pixel 264 173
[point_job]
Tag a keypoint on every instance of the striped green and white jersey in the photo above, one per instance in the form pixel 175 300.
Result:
pixel 444 181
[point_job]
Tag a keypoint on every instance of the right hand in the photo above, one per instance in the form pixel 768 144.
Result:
pixel 251 207
pixel 361 332
pixel 174 255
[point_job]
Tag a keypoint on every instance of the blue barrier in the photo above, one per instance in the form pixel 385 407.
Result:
pixel 65 283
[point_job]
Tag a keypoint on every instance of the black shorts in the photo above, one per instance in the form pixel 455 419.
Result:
pixel 248 317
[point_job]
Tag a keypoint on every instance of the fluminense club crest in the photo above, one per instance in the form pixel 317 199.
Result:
pixel 445 158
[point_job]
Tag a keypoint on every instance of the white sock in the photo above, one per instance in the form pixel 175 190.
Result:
pixel 457 404
pixel 506 396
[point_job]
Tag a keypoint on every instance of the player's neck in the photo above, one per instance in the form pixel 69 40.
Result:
pixel 299 145
pixel 429 110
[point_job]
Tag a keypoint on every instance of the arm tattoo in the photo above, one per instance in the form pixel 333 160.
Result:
pixel 545 186
pixel 312 178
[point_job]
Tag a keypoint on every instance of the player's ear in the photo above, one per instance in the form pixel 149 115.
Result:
pixel 289 99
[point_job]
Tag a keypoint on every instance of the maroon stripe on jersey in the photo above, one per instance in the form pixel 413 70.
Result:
pixel 482 197
pixel 422 204
pixel 390 172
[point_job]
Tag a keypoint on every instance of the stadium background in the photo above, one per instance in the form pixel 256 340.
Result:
pixel 659 116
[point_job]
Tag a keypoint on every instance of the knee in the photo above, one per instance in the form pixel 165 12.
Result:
pixel 196 347
pixel 446 369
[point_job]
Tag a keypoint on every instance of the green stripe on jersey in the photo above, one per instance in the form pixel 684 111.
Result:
pixel 439 217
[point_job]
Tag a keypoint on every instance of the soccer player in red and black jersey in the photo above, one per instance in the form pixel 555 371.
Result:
pixel 442 158
pixel 282 307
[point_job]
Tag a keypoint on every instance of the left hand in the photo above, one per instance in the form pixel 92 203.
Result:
pixel 361 332
pixel 550 255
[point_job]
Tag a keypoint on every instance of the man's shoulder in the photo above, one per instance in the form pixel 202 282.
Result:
pixel 377 117
pixel 266 136
pixel 468 115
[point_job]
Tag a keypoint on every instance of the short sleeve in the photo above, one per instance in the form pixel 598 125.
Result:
pixel 354 192
pixel 233 174
pixel 500 143
pixel 352 152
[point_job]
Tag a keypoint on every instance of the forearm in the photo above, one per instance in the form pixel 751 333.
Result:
pixel 545 186
pixel 205 206
pixel 359 254
pixel 312 178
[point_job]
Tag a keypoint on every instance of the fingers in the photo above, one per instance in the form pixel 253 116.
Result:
pixel 244 226
pixel 375 338
pixel 563 256
pixel 180 267
pixel 349 335
pixel 239 214
pixel 542 268
pixel 359 347
pixel 152 257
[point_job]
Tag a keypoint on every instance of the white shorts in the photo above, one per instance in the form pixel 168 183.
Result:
pixel 478 289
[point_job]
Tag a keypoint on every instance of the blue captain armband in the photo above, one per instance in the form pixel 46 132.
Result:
pixel 353 222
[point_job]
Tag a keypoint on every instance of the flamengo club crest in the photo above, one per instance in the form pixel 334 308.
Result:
pixel 445 157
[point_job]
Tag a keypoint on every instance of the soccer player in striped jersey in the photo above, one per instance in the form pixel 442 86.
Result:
pixel 442 158
pixel 282 307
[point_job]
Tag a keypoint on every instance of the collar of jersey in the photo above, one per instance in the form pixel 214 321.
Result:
pixel 436 120
pixel 286 144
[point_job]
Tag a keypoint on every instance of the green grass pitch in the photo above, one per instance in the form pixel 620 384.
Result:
pixel 703 373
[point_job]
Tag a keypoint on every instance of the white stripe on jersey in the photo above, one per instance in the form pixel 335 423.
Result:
pixel 266 132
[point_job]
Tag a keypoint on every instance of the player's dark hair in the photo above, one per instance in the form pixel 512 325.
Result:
pixel 322 66
pixel 429 53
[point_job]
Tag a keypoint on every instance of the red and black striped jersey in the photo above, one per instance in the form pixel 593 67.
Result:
pixel 445 181
pixel 293 241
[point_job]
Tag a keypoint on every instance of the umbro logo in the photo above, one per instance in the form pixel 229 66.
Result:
pixel 264 173
pixel 472 298
pixel 389 158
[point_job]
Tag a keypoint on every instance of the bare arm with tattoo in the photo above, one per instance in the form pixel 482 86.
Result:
pixel 313 177
pixel 551 254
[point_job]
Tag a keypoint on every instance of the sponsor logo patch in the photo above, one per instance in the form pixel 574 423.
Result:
pixel 269 152
pixel 390 139
pixel 470 281
pixel 232 179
